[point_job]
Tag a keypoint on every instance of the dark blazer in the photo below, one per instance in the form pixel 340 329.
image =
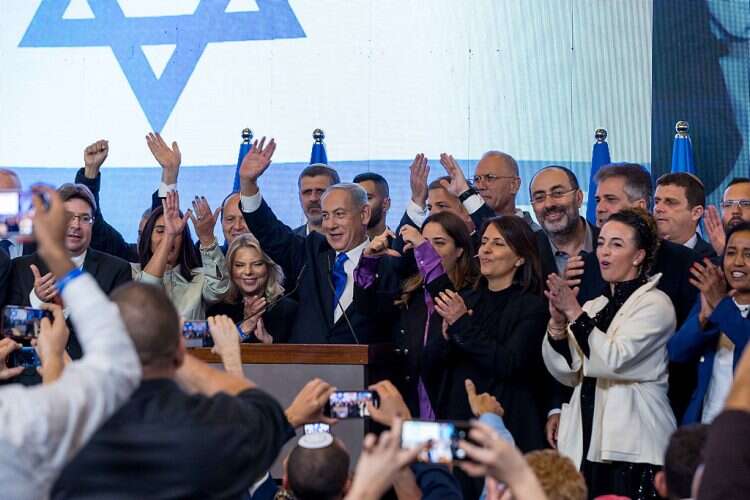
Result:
pixel 674 262
pixel 301 231
pixel 705 250
pixel 545 250
pixel 108 271
pixel 506 362
pixel 266 491
pixel 307 264
pixel 277 320
pixel 693 344
pixel 4 277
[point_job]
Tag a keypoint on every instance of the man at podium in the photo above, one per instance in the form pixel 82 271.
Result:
pixel 319 268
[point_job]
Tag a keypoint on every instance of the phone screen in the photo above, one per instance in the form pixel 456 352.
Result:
pixel 350 404
pixel 22 324
pixel 442 436
pixel 195 333
pixel 26 357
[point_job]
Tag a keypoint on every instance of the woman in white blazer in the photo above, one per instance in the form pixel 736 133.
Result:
pixel 613 352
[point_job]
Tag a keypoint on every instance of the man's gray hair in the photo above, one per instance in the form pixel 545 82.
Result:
pixel 357 193
pixel 508 159
pixel 638 184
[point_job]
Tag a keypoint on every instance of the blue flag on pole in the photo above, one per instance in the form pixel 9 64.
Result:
pixel 318 154
pixel 247 137
pixel 682 150
pixel 599 158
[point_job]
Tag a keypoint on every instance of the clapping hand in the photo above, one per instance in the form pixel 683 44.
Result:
pixel 458 183
pixel 418 173
pixel 451 306
pixel 709 279
pixel 573 271
pixel 169 159
pixel 253 309
pixel 562 298
pixel 256 161
pixel 93 157
pixel 204 220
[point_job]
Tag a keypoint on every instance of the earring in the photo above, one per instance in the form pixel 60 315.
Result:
pixel 635 263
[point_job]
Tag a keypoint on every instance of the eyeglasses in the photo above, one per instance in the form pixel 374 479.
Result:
pixel 556 194
pixel 490 179
pixel 82 218
pixel 732 203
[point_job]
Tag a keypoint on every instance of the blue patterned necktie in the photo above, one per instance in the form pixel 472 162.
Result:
pixel 338 276
pixel 5 246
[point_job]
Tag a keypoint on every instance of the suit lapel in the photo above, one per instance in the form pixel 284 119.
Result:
pixel 325 286
pixel 91 263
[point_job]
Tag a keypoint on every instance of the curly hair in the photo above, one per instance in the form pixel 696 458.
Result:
pixel 557 474
pixel 646 236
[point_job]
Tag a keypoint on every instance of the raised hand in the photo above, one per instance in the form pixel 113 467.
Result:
pixel 412 237
pixel 458 183
pixel 173 223
pixel 715 229
pixel 53 337
pixel 169 159
pixel 482 403
pixel 418 173
pixel 7 346
pixel 254 164
pixel 50 225
pixel 562 298
pixel 45 287
pixel 392 405
pixel 225 336
pixel 261 333
pixel 450 305
pixel 204 220
pixel 307 406
pixel 93 157
pixel 379 245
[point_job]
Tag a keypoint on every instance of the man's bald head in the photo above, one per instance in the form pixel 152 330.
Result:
pixel 9 179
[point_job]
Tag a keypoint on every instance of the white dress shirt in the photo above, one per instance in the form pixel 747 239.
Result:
pixel 347 297
pixel 43 426
pixel 722 375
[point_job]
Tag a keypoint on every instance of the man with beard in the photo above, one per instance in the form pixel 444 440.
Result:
pixel 735 208
pixel 378 197
pixel 313 181
pixel 556 197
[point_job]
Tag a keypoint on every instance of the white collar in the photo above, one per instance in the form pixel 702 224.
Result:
pixel 355 253
pixel 78 260
pixel 744 308
pixel 692 241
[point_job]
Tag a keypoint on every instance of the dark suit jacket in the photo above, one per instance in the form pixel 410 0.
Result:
pixel 301 231
pixel 307 264
pixel 4 277
pixel 705 250
pixel 545 250
pixel 674 262
pixel 108 271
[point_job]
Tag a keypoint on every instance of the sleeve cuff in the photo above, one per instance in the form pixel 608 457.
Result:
pixel 34 301
pixel 416 213
pixel 250 204
pixel 165 188
pixel 428 261
pixel 498 425
pixel 554 411
pixel 473 203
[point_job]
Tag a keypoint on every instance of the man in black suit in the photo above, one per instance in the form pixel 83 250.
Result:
pixel 4 276
pixel 312 182
pixel 321 265
pixel 679 203
pixel 628 185
pixel 32 284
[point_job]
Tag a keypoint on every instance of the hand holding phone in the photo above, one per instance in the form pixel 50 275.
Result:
pixel 196 333
pixel 350 404
pixel 25 357
pixel 23 324
pixel 442 437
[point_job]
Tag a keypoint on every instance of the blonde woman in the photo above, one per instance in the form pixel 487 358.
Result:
pixel 256 301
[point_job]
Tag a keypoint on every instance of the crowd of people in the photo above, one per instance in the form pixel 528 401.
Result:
pixel 609 352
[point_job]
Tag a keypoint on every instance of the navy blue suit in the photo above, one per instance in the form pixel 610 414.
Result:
pixel 307 263
pixel 693 344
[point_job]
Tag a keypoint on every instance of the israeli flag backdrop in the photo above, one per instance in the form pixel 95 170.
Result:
pixel 384 80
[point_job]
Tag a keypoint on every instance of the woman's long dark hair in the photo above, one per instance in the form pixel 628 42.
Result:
pixel 189 257
pixel 521 239
pixel 465 272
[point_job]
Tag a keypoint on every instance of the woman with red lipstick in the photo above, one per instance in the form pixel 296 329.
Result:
pixel 612 351
pixel 256 301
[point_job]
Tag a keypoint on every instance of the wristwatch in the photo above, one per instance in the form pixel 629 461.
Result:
pixel 467 194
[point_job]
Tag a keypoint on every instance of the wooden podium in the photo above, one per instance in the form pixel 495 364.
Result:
pixel 283 369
